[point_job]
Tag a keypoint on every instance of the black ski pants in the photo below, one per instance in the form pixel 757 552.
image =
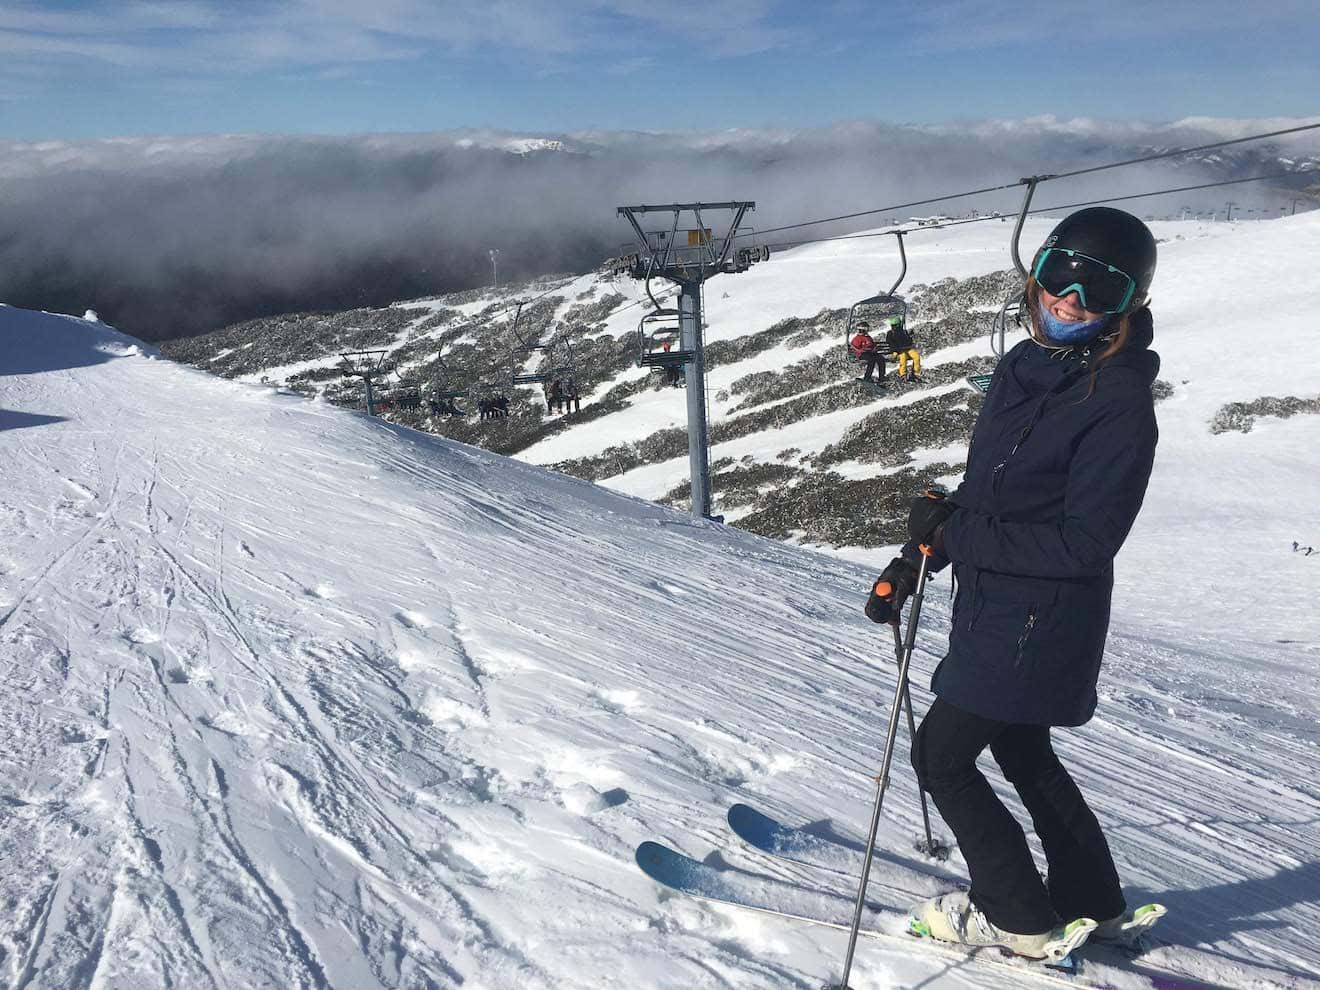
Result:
pixel 874 360
pixel 1082 880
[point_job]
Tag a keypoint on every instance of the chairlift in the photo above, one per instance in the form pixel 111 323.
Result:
pixel 1010 313
pixel 878 308
pixel 557 363
pixel 444 387
pixel 408 397
pixel 743 258
pixel 659 340
pixel 523 342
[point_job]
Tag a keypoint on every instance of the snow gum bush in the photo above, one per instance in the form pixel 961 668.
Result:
pixel 1240 417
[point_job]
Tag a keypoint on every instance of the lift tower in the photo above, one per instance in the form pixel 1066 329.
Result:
pixel 699 257
pixel 370 367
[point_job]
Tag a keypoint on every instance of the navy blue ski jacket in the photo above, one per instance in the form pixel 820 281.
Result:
pixel 1055 479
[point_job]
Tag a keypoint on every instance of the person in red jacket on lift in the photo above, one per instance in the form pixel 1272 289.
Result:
pixel 864 348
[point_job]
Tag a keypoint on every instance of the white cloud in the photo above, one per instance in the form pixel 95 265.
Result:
pixel 168 234
pixel 212 36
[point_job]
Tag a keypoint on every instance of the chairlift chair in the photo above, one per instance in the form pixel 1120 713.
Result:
pixel 408 397
pixel 1010 315
pixel 654 332
pixel 878 308
pixel 874 310
pixel 523 342
pixel 1011 311
pixel 558 363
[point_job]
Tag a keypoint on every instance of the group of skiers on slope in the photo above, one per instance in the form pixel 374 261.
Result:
pixel 562 396
pixel 445 407
pixel 899 345
pixel 1057 470
pixel 496 407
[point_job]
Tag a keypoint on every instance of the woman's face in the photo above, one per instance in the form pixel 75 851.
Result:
pixel 1068 308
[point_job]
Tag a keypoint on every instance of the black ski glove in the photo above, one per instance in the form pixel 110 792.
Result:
pixel 926 518
pixel 891 589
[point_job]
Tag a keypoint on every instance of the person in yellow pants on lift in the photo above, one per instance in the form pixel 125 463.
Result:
pixel 902 348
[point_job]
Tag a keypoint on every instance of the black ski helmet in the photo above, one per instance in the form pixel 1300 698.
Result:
pixel 1112 236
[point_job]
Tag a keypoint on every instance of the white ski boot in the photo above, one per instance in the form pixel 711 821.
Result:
pixel 954 918
pixel 1131 926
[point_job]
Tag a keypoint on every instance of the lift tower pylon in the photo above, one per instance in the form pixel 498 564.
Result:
pixel 699 257
pixel 370 367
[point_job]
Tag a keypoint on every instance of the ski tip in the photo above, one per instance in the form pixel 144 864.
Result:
pixel 739 811
pixel 650 854
pixel 1150 913
pixel 751 824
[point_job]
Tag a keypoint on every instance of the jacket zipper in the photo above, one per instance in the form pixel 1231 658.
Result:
pixel 1026 634
pixel 997 475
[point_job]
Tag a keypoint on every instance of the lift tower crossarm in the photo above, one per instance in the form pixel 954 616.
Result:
pixel 625 210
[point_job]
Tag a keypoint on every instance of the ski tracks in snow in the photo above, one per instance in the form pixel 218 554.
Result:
pixel 303 700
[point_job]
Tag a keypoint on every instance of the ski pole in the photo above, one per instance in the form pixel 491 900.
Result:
pixel 882 781
pixel 931 848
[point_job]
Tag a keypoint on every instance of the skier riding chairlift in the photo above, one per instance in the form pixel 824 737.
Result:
pixel 902 348
pixel 863 347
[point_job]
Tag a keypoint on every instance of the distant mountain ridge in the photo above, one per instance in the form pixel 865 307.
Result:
pixel 170 236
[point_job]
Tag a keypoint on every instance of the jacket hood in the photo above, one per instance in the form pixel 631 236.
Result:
pixel 1136 354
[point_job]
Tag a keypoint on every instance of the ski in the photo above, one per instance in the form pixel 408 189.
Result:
pixel 912 878
pixel 765 895
pixel 773 837
pixel 767 835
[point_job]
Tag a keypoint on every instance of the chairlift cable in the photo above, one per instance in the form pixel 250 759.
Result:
pixel 1183 151
pixel 883 209
pixel 1043 209
pixel 1042 178
pixel 1167 192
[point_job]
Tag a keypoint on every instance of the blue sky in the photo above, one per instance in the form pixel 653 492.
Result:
pixel 143 67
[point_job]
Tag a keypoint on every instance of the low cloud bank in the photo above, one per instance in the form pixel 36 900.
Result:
pixel 171 237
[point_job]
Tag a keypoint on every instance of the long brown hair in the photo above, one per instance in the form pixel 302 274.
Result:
pixel 1117 337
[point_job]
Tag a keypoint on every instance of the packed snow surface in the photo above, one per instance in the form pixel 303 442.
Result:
pixel 295 698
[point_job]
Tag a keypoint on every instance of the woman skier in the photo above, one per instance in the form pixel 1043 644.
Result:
pixel 1056 473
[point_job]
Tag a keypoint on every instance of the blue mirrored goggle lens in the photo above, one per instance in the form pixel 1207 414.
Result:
pixel 1101 288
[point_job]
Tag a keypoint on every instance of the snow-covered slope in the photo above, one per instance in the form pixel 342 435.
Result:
pixel 298 698
pixel 800 453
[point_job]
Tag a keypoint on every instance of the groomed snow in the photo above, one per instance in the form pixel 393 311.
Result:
pixel 298 699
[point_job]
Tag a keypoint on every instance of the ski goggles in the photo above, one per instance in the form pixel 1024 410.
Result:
pixel 1101 287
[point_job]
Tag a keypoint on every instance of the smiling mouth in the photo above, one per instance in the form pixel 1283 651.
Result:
pixel 1067 315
